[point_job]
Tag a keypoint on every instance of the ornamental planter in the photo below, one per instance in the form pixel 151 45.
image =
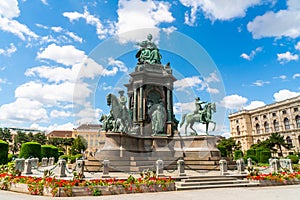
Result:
pixel 275 182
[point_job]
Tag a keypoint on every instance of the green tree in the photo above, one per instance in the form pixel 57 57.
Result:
pixel 79 145
pixel 5 135
pixel 277 140
pixel 230 145
pixel 30 137
pixel 19 139
pixel 40 138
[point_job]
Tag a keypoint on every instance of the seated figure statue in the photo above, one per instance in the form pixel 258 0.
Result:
pixel 148 52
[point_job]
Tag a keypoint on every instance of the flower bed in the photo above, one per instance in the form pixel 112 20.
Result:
pixel 49 186
pixel 282 178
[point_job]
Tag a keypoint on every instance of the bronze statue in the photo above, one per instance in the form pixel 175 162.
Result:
pixel 148 52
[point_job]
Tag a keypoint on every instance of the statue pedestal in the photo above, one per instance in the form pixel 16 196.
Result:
pixel 131 153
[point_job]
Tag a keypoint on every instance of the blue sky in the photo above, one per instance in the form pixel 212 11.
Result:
pixel 58 59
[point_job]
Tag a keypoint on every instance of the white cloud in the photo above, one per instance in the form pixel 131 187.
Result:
pixel 254 104
pixel 169 30
pixel 194 81
pixel 217 9
pixel 297 46
pixel 3 80
pixel 9 9
pixel 23 110
pixel 212 90
pixel 284 23
pixel 44 2
pixel 296 76
pixel 213 77
pixel 282 77
pixel 16 28
pixel 8 51
pixel 88 114
pixel 284 94
pixel 138 14
pixel 180 108
pixel 101 30
pixel 67 55
pixel 252 54
pixel 57 29
pixel 117 63
pixel 74 37
pixel 261 83
pixel 286 57
pixel 68 126
pixel 233 101
pixel 57 114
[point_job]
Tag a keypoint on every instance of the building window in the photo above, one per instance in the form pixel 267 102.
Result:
pixel 264 116
pixel 256 118
pixel 286 123
pixel 289 142
pixel 284 112
pixel 238 130
pixel 298 121
pixel 276 125
pixel 274 114
pixel 91 143
pixel 257 127
pixel 237 121
pixel 296 109
pixel 267 128
pixel 299 139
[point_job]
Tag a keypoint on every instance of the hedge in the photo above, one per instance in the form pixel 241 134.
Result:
pixel 223 151
pixel 251 152
pixel 30 149
pixel 238 154
pixel 3 152
pixel 293 158
pixel 264 156
pixel 258 151
pixel 48 151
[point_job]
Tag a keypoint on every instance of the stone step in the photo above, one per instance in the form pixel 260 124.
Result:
pixel 208 179
pixel 216 186
pixel 219 182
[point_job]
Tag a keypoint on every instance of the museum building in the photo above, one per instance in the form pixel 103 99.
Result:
pixel 249 127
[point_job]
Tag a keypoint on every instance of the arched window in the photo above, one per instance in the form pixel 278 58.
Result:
pixel 276 125
pixel 298 121
pixel 299 139
pixel 238 130
pixel 267 128
pixel 286 122
pixel 258 141
pixel 257 127
pixel 289 142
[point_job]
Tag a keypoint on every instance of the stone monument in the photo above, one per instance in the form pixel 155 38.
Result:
pixel 142 128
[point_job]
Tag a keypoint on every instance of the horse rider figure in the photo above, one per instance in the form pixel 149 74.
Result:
pixel 199 108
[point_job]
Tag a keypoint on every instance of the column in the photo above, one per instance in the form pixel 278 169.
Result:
pixel 134 105
pixel 169 106
pixel 141 104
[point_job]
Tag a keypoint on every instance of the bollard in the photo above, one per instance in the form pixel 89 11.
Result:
pixel 249 163
pixel 27 168
pixel 61 168
pixel 19 164
pixel 180 168
pixel 44 162
pixel 240 166
pixel 105 169
pixel 274 165
pixel 223 167
pixel 51 161
pixel 80 167
pixel 286 164
pixel 160 168
pixel 34 162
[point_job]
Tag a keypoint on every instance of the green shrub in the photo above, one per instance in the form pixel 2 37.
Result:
pixel 251 152
pixel 223 151
pixel 65 157
pixel 264 156
pixel 60 153
pixel 253 158
pixel 48 151
pixel 30 149
pixel 11 157
pixel 258 150
pixel 294 158
pixel 3 152
pixel 238 154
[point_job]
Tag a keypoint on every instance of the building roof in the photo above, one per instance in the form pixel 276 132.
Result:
pixel 89 127
pixel 60 133
pixel 269 106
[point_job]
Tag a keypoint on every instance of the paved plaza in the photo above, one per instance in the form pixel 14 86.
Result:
pixel 291 192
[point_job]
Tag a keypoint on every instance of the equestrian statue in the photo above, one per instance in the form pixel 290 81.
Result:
pixel 200 114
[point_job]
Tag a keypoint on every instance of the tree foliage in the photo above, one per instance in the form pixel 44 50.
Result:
pixel 80 144
pixel 230 145
pixel 5 135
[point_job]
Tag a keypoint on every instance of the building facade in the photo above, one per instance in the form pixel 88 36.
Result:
pixel 249 127
pixel 92 134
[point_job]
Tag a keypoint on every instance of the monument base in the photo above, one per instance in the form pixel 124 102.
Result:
pixel 132 153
